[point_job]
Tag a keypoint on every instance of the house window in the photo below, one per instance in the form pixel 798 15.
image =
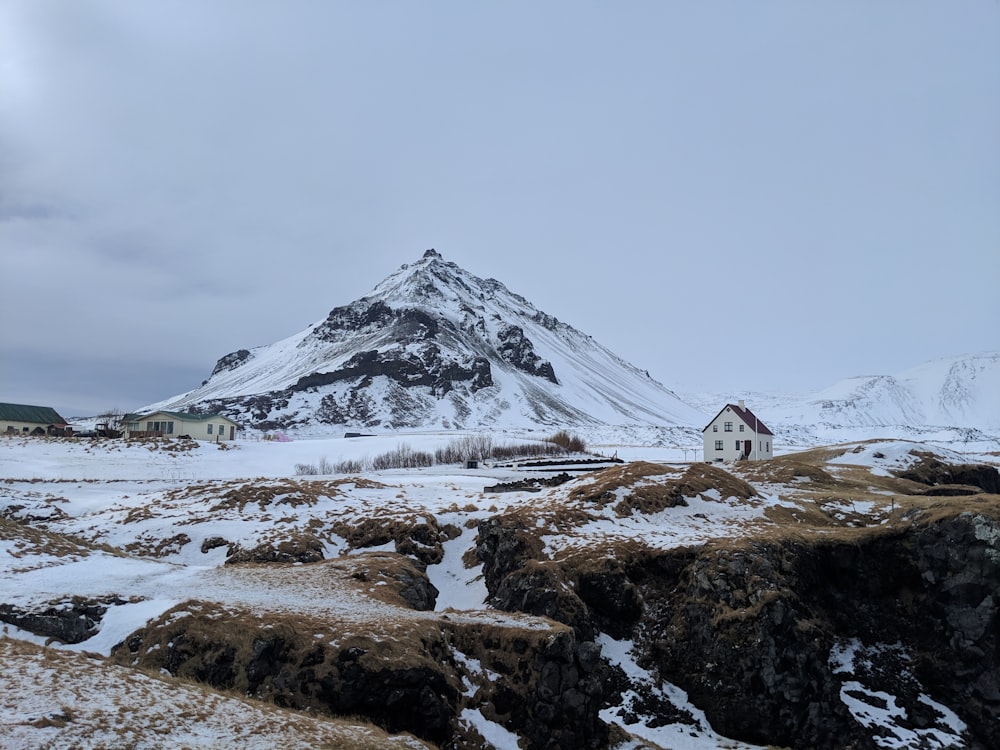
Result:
pixel 718 445
pixel 767 445
pixel 728 427
pixel 741 427
pixel 715 428
pixel 738 444
pixel 210 428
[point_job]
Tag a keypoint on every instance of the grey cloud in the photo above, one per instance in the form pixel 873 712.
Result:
pixel 233 172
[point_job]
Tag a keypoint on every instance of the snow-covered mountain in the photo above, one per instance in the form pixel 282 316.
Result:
pixel 960 392
pixel 433 346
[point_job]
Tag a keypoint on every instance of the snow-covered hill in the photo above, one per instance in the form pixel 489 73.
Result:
pixel 958 394
pixel 434 346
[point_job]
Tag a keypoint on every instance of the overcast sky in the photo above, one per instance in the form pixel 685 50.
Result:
pixel 731 195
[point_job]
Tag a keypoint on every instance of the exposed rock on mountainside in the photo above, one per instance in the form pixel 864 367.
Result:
pixel 434 346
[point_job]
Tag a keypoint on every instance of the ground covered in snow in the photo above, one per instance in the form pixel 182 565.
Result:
pixel 146 526
pixel 50 698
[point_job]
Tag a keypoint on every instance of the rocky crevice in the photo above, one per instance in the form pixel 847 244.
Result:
pixel 747 628
pixel 73 621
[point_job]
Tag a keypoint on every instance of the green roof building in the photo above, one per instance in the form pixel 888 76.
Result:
pixel 22 419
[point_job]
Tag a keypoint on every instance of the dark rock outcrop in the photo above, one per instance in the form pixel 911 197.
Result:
pixel 932 471
pixel 407 369
pixel 517 349
pixel 301 548
pixel 748 628
pixel 418 681
pixel 419 537
pixel 231 361
pixel 358 317
pixel 406 576
pixel 73 621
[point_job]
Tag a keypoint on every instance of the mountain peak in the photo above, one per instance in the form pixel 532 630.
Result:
pixel 433 345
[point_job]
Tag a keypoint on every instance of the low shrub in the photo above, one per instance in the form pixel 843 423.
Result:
pixel 402 457
pixel 468 448
pixel 351 466
pixel 571 443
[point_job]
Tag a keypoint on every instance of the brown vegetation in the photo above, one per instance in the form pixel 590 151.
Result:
pixel 649 488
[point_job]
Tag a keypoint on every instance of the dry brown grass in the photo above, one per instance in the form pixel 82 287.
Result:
pixel 379 575
pixel 846 502
pixel 82 702
pixel 32 540
pixel 788 470
pixel 650 488
pixel 264 493
pixel 155 547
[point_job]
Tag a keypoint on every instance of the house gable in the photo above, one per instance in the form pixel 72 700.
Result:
pixel 744 415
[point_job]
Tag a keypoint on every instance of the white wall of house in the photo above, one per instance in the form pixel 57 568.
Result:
pixel 725 439
pixel 20 428
pixel 217 429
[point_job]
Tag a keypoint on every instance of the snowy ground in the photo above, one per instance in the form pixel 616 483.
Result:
pixel 54 699
pixel 164 507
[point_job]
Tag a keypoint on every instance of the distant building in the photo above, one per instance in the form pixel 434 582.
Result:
pixel 21 419
pixel 736 434
pixel 214 427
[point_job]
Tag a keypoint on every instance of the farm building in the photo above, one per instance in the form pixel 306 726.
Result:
pixel 22 419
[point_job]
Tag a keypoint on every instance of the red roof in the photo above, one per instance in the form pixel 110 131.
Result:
pixel 748 417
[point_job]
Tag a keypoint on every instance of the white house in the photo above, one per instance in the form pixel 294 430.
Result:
pixel 737 434
pixel 214 427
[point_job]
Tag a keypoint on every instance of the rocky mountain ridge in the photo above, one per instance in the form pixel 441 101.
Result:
pixel 435 346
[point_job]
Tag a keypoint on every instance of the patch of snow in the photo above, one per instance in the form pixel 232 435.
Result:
pixel 880 711
pixel 121 621
pixel 698 735
pixel 495 735
pixel 458 587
